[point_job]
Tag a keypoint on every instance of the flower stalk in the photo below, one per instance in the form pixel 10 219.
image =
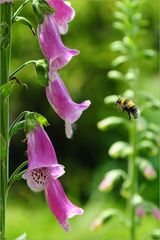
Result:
pixel 133 177
pixel 5 24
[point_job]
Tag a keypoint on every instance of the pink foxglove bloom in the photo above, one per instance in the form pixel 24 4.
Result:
pixel 42 161
pixel 51 44
pixel 59 204
pixel 149 172
pixel 63 104
pixel 96 224
pixel 156 213
pixel 4 1
pixel 106 184
pixel 140 212
pixel 64 14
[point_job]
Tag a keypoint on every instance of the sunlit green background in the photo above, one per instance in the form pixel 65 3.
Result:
pixel 85 156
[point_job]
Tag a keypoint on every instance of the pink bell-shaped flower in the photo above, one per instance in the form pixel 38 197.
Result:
pixel 4 1
pixel 140 211
pixel 42 161
pixel 59 204
pixel 51 44
pixel 64 14
pixel 156 213
pixel 63 104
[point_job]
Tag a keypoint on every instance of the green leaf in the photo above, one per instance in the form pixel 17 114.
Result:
pixel 137 17
pixel 148 135
pixel 22 237
pixel 149 53
pixel 146 95
pixel 119 60
pixel 111 122
pixel 25 22
pixel 122 6
pixel 120 150
pixel 110 99
pixel 128 42
pixel 156 104
pixel 118 46
pixel 156 234
pixel 117 75
pixel 42 70
pixel 136 200
pixel 6 89
pixel 32 119
pixel 153 127
pixel 148 146
pixel 41 119
pixel 141 124
pixel 120 16
pixel 131 75
pixel 129 94
pixel 119 26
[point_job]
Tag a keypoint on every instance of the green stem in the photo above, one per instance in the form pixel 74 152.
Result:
pixel 133 176
pixel 11 180
pixel 21 67
pixel 20 9
pixel 5 50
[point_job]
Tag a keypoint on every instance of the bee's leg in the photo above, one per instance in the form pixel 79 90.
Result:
pixel 129 114
pixel 124 108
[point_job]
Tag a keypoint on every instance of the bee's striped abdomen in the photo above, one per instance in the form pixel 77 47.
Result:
pixel 135 111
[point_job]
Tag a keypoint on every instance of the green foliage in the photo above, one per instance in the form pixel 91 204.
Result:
pixel 32 119
pixel 6 89
pixel 16 127
pixel 42 70
pixel 91 32
pixel 40 8
pixel 142 142
pixel 111 122
pixel 120 150
pixel 24 21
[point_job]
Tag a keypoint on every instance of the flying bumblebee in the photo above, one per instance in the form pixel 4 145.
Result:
pixel 128 106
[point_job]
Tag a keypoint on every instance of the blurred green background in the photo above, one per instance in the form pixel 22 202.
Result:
pixel 85 157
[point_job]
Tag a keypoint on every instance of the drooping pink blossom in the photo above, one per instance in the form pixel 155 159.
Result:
pixel 106 184
pixel 63 104
pixel 97 223
pixel 140 212
pixel 42 160
pixel 64 14
pixel 59 204
pixel 156 213
pixel 51 44
pixel 5 1
pixel 149 172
